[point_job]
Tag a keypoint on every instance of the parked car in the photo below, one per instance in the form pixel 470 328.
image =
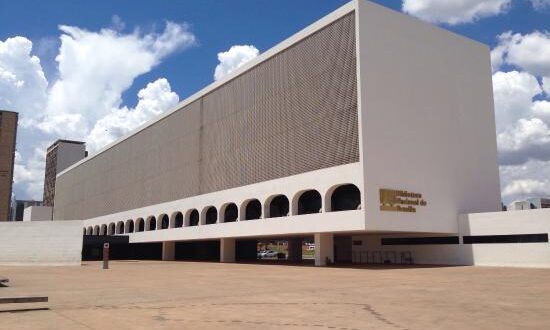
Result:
pixel 264 253
pixel 270 254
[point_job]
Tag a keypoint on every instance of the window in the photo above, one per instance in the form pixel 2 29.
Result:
pixel 420 240
pixel 524 238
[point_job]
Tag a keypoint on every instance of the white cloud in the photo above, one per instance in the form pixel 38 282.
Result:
pixel 523 122
pixel 497 58
pixel 523 112
pixel 527 139
pixel 541 4
pixel 520 181
pixel 117 23
pixel 22 81
pixel 154 99
pixel 546 85
pixel 93 70
pixel 29 172
pixel 541 109
pixel 233 59
pixel 96 67
pixel 529 52
pixel 454 11
pixel 526 188
pixel 513 92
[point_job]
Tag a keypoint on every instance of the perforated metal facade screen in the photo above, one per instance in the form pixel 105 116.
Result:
pixel 293 113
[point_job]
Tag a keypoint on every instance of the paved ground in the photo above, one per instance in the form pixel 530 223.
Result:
pixel 182 295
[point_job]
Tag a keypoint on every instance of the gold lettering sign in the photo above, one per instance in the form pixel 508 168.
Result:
pixel 400 200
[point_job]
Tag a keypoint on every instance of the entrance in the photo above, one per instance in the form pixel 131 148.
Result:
pixel 119 249
pixel 342 249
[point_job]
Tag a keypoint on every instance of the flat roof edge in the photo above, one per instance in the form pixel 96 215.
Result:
pixel 9 111
pixel 59 141
pixel 288 42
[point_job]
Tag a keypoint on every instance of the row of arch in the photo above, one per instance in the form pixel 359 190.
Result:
pixel 341 198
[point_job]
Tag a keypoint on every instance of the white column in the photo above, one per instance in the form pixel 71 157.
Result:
pixel 324 248
pixel 168 251
pixel 227 250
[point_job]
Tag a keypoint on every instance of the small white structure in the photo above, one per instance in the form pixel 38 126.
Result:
pixel 41 243
pixel 513 239
pixel 519 206
pixel 38 213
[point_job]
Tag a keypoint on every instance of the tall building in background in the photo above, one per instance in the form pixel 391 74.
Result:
pixel 530 204
pixel 539 203
pixel 19 207
pixel 8 134
pixel 61 154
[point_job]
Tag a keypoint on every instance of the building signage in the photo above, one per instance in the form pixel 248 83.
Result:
pixel 400 200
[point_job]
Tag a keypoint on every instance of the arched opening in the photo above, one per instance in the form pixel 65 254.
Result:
pixel 230 212
pixel 84 232
pixel 278 207
pixel 345 197
pixel 178 220
pixel 253 210
pixel 96 230
pixel 193 217
pixel 152 223
pixel 129 226
pixel 309 202
pixel 111 229
pixel 164 221
pixel 89 231
pixel 140 224
pixel 210 215
pixel 120 227
pixel 103 230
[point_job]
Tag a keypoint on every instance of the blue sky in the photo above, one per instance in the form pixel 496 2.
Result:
pixel 217 25
pixel 201 30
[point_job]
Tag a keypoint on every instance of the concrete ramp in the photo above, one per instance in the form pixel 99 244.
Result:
pixel 42 243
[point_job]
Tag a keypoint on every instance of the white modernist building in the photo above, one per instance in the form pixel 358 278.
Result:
pixel 369 131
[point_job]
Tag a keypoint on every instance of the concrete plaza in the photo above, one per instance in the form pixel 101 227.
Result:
pixel 187 295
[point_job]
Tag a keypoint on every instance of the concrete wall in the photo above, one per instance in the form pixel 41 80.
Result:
pixel 502 255
pixel 426 125
pixel 41 243
pixel 324 181
pixel 293 112
pixel 421 254
pixel 38 213
pixel 486 254
pixel 426 120
pixel 508 223
pixel 519 205
pixel 503 223
pixel 68 154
